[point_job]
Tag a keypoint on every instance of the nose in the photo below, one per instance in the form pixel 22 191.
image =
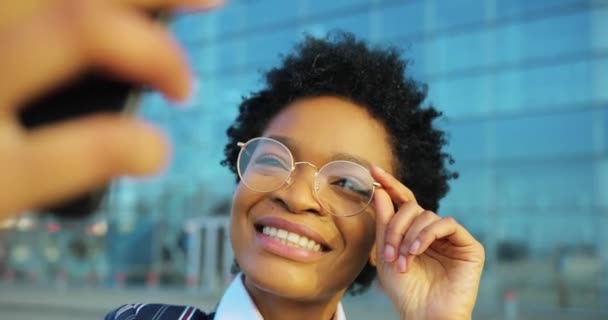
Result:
pixel 298 195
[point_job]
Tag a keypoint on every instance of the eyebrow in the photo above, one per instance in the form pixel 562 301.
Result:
pixel 290 144
pixel 349 157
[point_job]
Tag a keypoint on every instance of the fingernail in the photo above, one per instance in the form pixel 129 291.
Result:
pixel 389 253
pixel 414 247
pixel 401 264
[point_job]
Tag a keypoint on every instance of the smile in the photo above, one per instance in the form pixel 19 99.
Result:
pixel 294 241
pixel 291 239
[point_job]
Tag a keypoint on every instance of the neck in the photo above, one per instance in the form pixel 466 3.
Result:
pixel 274 307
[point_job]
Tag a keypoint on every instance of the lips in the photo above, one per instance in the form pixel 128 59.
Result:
pixel 292 234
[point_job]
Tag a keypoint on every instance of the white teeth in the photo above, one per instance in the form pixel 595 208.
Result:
pixel 303 242
pixel 282 234
pixel 291 239
pixel 310 245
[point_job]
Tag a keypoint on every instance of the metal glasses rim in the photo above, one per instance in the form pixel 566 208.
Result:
pixel 294 163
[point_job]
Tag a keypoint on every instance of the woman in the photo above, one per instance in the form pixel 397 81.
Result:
pixel 340 174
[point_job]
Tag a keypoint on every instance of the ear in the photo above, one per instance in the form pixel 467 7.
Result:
pixel 373 255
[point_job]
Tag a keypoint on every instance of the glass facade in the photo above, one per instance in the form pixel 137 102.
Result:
pixel 524 90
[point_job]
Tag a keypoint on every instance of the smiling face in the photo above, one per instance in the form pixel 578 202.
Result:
pixel 331 250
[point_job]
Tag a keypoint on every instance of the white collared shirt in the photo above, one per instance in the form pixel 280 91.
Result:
pixel 236 304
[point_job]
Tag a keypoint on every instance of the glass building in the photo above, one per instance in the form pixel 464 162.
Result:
pixel 524 90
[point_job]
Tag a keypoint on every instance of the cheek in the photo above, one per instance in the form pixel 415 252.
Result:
pixel 241 232
pixel 359 235
pixel 243 199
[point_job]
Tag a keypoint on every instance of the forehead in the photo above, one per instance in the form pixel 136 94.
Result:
pixel 322 128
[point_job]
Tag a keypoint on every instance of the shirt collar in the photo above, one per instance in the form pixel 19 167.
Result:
pixel 236 304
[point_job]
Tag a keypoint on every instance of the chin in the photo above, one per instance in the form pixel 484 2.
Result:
pixel 287 279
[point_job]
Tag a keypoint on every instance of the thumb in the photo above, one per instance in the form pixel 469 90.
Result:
pixel 57 162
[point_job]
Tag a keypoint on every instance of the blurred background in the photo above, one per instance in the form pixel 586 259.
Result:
pixel 524 89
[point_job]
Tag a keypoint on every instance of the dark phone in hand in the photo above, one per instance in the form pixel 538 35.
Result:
pixel 91 93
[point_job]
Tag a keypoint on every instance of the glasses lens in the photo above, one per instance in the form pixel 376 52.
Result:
pixel 345 188
pixel 264 164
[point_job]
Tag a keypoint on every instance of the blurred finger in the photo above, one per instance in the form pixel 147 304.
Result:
pixel 15 11
pixel 64 41
pixel 172 4
pixel 397 228
pixel 55 163
pixel 395 189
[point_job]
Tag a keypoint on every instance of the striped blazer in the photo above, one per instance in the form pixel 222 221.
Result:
pixel 156 311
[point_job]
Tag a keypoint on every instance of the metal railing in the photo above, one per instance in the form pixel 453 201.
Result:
pixel 209 255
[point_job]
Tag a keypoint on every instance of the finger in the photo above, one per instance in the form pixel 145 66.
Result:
pixel 55 163
pixel 396 190
pixel 172 4
pixel 15 11
pixel 445 228
pixel 397 227
pixel 422 221
pixel 64 41
pixel 384 211
pixel 405 259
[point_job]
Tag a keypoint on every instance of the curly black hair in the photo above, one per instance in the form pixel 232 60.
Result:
pixel 342 66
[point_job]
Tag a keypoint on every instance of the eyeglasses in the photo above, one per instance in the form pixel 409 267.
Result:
pixel 343 188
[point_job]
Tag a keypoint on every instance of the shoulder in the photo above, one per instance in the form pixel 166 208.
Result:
pixel 157 312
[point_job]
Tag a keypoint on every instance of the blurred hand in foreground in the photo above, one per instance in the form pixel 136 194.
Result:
pixel 44 43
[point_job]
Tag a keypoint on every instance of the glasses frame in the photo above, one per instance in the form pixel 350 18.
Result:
pixel 294 165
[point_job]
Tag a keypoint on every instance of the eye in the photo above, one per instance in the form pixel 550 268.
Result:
pixel 351 185
pixel 269 160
